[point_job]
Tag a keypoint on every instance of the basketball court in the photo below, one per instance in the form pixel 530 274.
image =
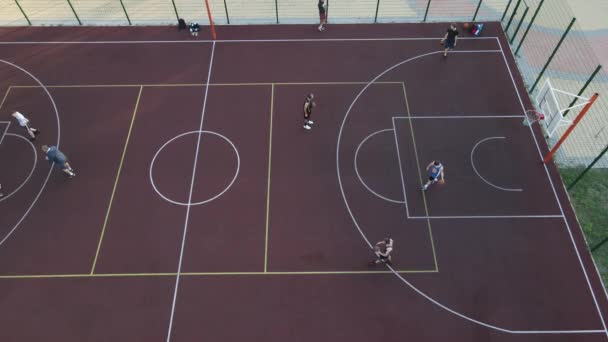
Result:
pixel 202 209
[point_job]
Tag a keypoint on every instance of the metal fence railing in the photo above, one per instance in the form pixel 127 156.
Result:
pixel 162 12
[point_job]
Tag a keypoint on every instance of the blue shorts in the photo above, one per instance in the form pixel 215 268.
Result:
pixel 60 162
pixel 449 44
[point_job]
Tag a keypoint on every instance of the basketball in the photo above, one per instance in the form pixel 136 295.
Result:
pixel 466 26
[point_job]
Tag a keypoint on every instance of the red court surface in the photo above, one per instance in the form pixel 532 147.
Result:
pixel 202 210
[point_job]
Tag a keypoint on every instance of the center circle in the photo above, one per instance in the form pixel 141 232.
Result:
pixel 211 163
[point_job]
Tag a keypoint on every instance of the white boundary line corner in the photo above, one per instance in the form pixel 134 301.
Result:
pixel 599 311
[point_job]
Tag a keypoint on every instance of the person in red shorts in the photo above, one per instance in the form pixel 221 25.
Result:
pixel 322 14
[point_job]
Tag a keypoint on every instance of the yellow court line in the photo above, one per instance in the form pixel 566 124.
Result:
pixel 200 84
pixel 204 274
pixel 268 180
pixel 426 209
pixel 5 96
pixel 122 158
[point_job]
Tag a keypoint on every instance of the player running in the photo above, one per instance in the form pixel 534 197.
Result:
pixel 435 169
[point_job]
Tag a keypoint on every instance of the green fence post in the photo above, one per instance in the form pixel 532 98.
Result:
pixel 600 244
pixel 552 54
pixel 597 69
pixel 377 6
pixel 506 10
pixel 428 4
pixel 125 10
pixel 477 10
pixel 588 167
pixel 519 25
pixel 226 9
pixel 175 9
pixel 276 9
pixel 23 12
pixel 74 11
pixel 529 26
pixel 512 15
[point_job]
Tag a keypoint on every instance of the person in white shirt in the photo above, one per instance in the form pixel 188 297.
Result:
pixel 25 123
pixel 383 250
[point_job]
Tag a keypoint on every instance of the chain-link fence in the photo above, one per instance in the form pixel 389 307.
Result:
pixel 534 28
pixel 569 69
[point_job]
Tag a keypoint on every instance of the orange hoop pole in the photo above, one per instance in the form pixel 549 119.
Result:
pixel 569 130
pixel 210 20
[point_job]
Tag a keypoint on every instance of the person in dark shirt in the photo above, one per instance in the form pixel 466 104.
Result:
pixel 194 28
pixel 322 14
pixel 308 105
pixel 450 39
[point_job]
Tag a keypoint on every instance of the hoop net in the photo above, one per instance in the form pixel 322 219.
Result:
pixel 533 116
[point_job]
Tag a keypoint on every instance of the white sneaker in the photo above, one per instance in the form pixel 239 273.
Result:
pixel 310 122
pixel 424 187
pixel 321 28
pixel 306 126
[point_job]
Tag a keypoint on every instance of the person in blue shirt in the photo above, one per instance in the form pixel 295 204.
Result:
pixel 435 169
pixel 53 155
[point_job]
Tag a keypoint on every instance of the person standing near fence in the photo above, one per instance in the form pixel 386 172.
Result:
pixel 322 14
pixel 450 39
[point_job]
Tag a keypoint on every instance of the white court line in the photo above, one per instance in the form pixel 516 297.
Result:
pixel 537 332
pixel 357 168
pixel 488 217
pixel 238 41
pixel 359 229
pixel 477 172
pixel 8 124
pixel 430 116
pixel 599 312
pixel 401 171
pixel 5 197
pixel 57 144
pixel 181 252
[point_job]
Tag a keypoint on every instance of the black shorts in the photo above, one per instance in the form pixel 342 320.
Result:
pixel 433 179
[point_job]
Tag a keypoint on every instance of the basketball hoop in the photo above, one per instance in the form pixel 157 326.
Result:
pixel 533 116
